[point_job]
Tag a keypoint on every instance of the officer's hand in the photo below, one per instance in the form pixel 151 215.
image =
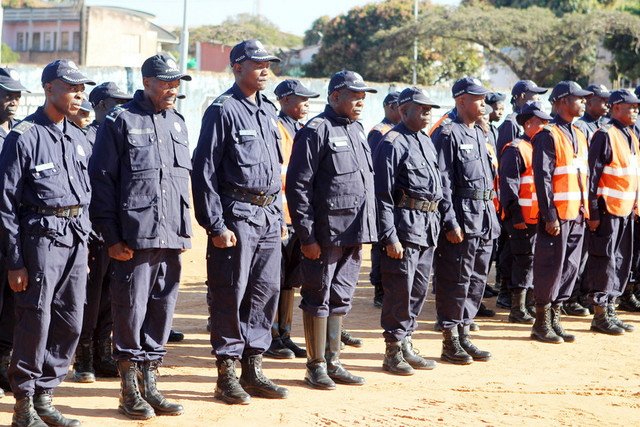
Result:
pixel 284 233
pixel 120 251
pixel 395 250
pixel 552 227
pixel 593 224
pixel 455 236
pixel 18 279
pixel 311 251
pixel 225 240
pixel 520 226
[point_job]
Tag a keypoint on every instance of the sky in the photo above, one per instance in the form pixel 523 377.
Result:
pixel 292 16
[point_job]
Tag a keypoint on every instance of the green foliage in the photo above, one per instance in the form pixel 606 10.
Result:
pixel 9 56
pixel 314 34
pixel 558 6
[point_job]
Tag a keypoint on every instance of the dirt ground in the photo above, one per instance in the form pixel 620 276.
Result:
pixel 594 381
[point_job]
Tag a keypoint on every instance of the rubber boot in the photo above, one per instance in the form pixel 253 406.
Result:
pixel 602 323
pixel 332 354
pixel 628 300
pixel 49 414
pixel 410 354
pixel 148 376
pixel 394 362
pixel 519 312
pixel 613 316
pixel 83 371
pixel 228 387
pixel 542 329
pixel 277 349
pixel 254 382
pixel 131 402
pixel 103 364
pixel 285 312
pixel 5 359
pixel 315 336
pixel 452 351
pixel 473 351
pixel 556 311
pixel 348 339
pixel 25 415
pixel 504 295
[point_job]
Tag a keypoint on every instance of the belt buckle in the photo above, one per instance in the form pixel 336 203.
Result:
pixel 74 212
pixel 425 206
pixel 62 212
pixel 478 194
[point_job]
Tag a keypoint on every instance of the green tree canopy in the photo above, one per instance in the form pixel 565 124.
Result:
pixel 558 6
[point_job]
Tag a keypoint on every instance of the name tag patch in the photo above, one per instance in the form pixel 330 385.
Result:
pixel 248 132
pixel 44 167
pixel 339 141
pixel 466 146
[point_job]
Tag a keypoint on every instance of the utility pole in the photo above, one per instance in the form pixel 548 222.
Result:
pixel 184 46
pixel 415 46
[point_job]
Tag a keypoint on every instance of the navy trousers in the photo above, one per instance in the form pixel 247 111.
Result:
pixel 7 312
pixel 97 323
pixel 290 275
pixel 521 244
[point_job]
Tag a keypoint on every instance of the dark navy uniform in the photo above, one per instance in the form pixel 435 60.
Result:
pixel 588 125
pixel 91 132
pixel 140 173
pixel 378 132
pixel 45 191
pixel 408 188
pixel 236 186
pixel 467 178
pixel 508 131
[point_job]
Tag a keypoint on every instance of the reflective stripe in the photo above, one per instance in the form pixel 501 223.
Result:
pixel 283 169
pixel 616 193
pixel 573 195
pixel 525 202
pixel 631 170
pixel 565 170
pixel 526 179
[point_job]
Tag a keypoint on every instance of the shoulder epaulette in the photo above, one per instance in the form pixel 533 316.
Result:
pixel 549 126
pixel 221 99
pixel 22 127
pixel 605 127
pixel 114 113
pixel 378 127
pixel 446 121
pixel 391 136
pixel 314 123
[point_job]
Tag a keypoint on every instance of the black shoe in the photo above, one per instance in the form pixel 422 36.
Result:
pixel 103 364
pixel 394 362
pixel 574 308
pixel 629 301
pixel 603 324
pixel 542 329
pixel 147 376
pixel 613 315
pixel 452 351
pixel 504 295
pixel 473 351
pixel 25 415
pixel 49 414
pixel 483 311
pixel 277 350
pixel 335 370
pixel 489 291
pixel 410 354
pixel 83 371
pixel 348 339
pixel 131 402
pixel 228 387
pixel 556 310
pixel 175 336
pixel 284 320
pixel 297 351
pixel 255 383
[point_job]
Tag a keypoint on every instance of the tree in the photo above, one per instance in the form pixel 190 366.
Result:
pixel 8 55
pixel 558 6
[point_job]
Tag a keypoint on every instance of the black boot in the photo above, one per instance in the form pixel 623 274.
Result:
pixel 49 414
pixel 315 335
pixel 285 313
pixel 483 311
pixel 394 362
pixel 572 307
pixel 542 329
pixel 556 311
pixel 602 323
pixel 277 349
pixel 348 339
pixel 410 354
pixel 147 375
pixel 336 371
pixel 530 302
pixel 473 351
pixel 504 295
pixel 255 383
pixel 83 371
pixel 628 300
pixel 5 359
pixel 228 388
pixel 519 312
pixel 25 415
pixel 175 336
pixel 613 316
pixel 131 402
pixel 378 295
pixel 452 351
pixel 103 364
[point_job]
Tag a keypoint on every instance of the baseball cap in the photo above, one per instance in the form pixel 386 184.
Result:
pixel 107 90
pixel 252 50
pixel 600 91
pixel 416 95
pixel 566 88
pixel 532 108
pixel 524 86
pixel 86 105
pixel 470 85
pixel 493 97
pixel 164 68
pixel 65 70
pixel 10 80
pixel 349 80
pixel 293 87
pixel 391 98
pixel 637 91
pixel 622 96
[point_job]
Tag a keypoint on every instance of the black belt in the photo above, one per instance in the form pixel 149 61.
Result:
pixel 63 212
pixel 472 193
pixel 254 199
pixel 417 204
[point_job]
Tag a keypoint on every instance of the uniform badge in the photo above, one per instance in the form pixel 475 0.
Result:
pixel 81 151
pixel 177 126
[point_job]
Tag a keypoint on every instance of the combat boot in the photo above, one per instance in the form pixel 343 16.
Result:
pixel 572 307
pixel 628 300
pixel 285 313
pixel 519 312
pixel 131 402
pixel 602 323
pixel 410 354
pixel 556 311
pixel 83 371
pixel 148 376
pixel 5 359
pixel 336 371
pixel 504 295
pixel 542 329
pixel 25 415
pixel 613 316
pixel 347 339
pixel 394 362
pixel 473 351
pixel 315 335
pixel 483 311
pixel 255 383
pixel 228 388
pixel 103 364
pixel 452 351
pixel 49 414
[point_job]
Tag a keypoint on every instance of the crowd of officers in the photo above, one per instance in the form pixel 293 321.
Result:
pixel 553 201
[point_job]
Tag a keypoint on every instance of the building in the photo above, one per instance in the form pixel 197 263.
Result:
pixel 212 56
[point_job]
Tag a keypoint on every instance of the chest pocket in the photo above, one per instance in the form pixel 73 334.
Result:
pixel 249 150
pixel 419 175
pixel 47 183
pixel 143 151
pixel 343 159
pixel 470 163
pixel 181 150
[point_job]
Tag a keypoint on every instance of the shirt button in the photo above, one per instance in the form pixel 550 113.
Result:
pixel 70 177
pixel 164 166
pixel 164 191
pixel 162 241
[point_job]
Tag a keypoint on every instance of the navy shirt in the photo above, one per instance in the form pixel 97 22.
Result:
pixel 4 133
pixel 588 125
pixel 238 148
pixel 140 173
pixel 330 183
pixel 465 162
pixel 42 166
pixel 508 131
pixel 406 162
pixel 290 124
pixel 91 132
pixel 511 167
pixel 375 134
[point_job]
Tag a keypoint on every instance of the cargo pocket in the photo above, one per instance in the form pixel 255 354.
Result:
pixel 393 265
pixel 185 220
pixel 143 151
pixel 47 183
pixel 181 151
pixel 600 246
pixel 121 286
pixel 343 159
pixel 342 212
pixel 221 265
pixel 140 212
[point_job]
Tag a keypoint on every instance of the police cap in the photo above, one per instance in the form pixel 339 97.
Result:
pixel 391 98
pixel 524 86
pixel 416 95
pixel 493 97
pixel 531 108
pixel 622 96
pixel 164 68
pixel 65 70
pixel 107 90
pixel 10 80
pixel 293 87
pixel 599 90
pixel 470 85
pixel 349 80
pixel 566 88
pixel 86 105
pixel 252 50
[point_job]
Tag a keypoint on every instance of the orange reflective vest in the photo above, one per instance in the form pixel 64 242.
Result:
pixel 287 144
pixel 383 128
pixel 618 184
pixel 494 163
pixel 443 121
pixel 528 204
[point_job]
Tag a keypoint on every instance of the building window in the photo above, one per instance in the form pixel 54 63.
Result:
pixel 64 41
pixel 76 41
pixel 49 41
pixel 35 42
pixel 20 42
pixel 131 43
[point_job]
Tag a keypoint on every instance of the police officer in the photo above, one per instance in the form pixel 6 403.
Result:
pixel 93 355
pixel 519 210
pixel 44 190
pixel 236 190
pixel 613 196
pixel 331 201
pixel 408 189
pixel 140 176
pixel 10 92
pixel 560 177
pixel 495 100
pixel 82 118
pixel 293 97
